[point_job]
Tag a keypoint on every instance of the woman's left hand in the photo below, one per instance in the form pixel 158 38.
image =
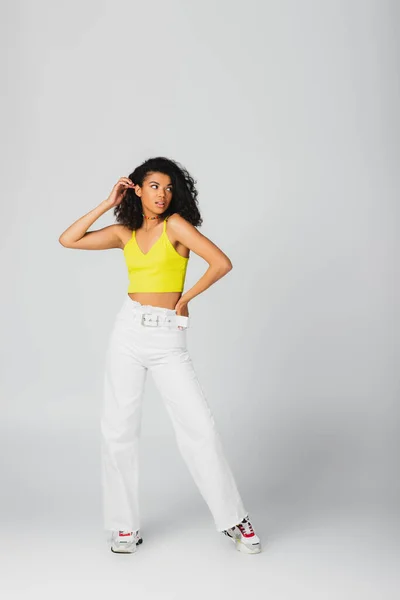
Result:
pixel 181 307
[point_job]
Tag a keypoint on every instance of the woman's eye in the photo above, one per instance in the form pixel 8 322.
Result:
pixel 155 185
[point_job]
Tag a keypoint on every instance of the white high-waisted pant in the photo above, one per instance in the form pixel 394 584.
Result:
pixel 135 348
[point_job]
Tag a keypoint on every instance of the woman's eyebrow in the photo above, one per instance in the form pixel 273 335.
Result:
pixel 158 183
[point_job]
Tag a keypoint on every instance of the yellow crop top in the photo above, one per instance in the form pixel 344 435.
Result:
pixel 161 269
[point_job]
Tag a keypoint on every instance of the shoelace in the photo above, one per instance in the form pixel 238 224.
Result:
pixel 246 528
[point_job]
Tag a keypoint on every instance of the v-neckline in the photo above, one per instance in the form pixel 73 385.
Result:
pixel 157 240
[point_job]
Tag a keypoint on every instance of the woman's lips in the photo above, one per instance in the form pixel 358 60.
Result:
pixel 160 203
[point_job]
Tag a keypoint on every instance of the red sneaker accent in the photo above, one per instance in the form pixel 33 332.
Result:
pixel 121 533
pixel 249 533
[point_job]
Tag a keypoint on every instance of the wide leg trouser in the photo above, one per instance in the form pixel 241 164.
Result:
pixel 133 350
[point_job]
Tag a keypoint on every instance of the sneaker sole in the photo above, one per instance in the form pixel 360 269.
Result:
pixel 127 549
pixel 242 547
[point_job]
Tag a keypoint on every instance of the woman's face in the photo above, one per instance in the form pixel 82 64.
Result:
pixel 156 192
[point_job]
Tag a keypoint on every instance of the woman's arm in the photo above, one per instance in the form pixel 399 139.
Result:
pixel 190 237
pixel 77 234
pixel 213 273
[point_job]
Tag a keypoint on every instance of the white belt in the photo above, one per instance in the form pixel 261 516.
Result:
pixel 156 320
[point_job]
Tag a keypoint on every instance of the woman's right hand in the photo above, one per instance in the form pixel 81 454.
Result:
pixel 118 192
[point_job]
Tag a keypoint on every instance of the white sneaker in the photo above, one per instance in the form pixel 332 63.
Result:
pixel 244 537
pixel 125 541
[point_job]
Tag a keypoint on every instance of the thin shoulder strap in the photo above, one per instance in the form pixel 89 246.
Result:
pixel 165 224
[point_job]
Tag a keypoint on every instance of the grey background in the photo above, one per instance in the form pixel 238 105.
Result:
pixel 286 113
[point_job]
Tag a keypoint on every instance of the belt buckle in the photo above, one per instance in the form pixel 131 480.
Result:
pixel 150 323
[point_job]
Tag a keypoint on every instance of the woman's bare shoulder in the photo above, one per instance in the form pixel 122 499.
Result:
pixel 124 233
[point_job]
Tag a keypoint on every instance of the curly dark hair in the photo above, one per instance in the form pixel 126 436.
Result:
pixel 184 196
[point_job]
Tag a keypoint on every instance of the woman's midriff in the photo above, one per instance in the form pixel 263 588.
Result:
pixel 162 299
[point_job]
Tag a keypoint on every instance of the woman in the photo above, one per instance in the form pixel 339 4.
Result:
pixel 157 214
